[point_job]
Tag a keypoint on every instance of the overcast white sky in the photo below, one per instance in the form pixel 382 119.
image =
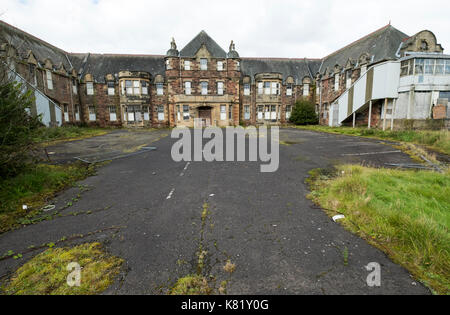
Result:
pixel 281 28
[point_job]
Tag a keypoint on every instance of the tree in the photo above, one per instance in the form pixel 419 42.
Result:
pixel 304 113
pixel 17 128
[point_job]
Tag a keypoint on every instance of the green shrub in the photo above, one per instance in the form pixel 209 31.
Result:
pixel 17 128
pixel 304 113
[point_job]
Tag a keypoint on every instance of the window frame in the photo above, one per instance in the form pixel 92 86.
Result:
pixel 90 88
pixel 203 64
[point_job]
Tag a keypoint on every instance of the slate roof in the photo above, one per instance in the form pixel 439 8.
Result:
pixel 99 65
pixel 381 45
pixel 25 42
pixel 202 38
pixel 297 68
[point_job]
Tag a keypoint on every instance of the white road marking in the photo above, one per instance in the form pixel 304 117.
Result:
pixel 185 169
pixel 372 153
pixel 171 194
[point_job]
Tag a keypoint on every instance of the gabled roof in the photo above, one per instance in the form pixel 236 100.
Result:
pixel 381 45
pixel 25 42
pixel 99 65
pixel 297 68
pixel 203 39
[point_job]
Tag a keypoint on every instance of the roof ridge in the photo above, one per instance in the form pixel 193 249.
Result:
pixel 359 40
pixel 118 55
pixel 32 36
pixel 283 58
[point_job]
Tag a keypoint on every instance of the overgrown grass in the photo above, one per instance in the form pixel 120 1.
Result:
pixel 192 285
pixel 35 186
pixel 435 140
pixel 404 213
pixel 46 274
pixel 49 136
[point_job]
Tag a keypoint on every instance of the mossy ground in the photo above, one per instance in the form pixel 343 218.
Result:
pixel 46 274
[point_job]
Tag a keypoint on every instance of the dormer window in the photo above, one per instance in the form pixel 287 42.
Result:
pixel 424 45
pixel 219 65
pixel 246 89
pixel 49 80
pixel 187 65
pixel 348 82
pixel 289 90
pixel 306 89
pixel 111 89
pixel 203 64
pixel 74 86
pixel 159 88
pixel 90 88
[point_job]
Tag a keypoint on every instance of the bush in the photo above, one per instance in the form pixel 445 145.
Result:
pixel 17 128
pixel 304 113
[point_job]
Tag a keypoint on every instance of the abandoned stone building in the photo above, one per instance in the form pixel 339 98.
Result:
pixel 203 85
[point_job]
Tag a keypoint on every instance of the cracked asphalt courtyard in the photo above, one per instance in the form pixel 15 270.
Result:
pixel 149 210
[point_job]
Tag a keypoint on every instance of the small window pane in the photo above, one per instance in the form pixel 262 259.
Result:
pixel 419 66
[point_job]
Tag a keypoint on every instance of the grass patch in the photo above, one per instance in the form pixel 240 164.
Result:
pixel 34 187
pixel 46 274
pixel 404 213
pixel 192 285
pixel 51 136
pixel 435 140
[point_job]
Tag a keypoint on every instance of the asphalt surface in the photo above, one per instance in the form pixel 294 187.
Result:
pixel 147 209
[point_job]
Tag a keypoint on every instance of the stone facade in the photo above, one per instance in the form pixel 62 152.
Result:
pixel 201 85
